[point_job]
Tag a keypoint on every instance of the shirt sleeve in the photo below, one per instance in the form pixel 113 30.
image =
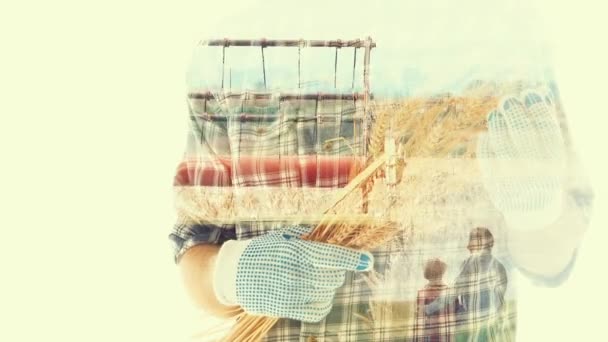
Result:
pixel 582 202
pixel 202 167
pixel 185 236
pixel 580 197
pixel 551 281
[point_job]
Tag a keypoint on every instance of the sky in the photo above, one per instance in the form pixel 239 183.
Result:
pixel 423 47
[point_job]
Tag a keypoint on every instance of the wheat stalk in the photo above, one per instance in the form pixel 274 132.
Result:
pixel 378 133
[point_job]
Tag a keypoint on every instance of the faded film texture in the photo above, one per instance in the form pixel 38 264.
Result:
pixel 375 188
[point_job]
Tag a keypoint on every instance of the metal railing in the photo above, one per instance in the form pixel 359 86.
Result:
pixel 366 44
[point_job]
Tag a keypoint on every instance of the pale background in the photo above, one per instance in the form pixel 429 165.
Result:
pixel 92 122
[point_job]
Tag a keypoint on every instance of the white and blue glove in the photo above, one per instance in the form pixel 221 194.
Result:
pixel 281 275
pixel 523 160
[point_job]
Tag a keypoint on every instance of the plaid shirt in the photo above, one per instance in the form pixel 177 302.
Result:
pixel 268 147
pixel 258 147
pixel 437 326
pixel 264 144
pixel 474 302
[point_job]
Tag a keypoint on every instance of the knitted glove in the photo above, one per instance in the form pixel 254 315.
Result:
pixel 279 274
pixel 523 160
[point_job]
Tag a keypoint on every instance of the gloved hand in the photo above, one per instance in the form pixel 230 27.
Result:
pixel 281 275
pixel 523 160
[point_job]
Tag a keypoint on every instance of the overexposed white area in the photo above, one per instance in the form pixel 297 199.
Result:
pixel 92 125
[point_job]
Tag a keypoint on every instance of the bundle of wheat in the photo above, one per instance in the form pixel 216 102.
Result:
pixel 363 235
pixel 366 233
